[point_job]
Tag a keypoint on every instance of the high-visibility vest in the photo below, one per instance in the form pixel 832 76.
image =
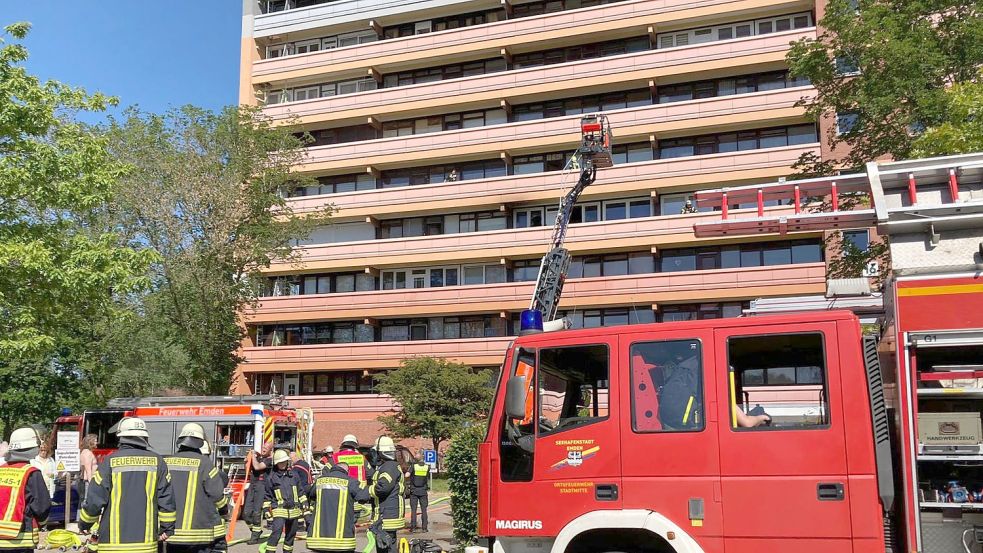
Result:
pixel 355 462
pixel 198 494
pixel 13 501
pixel 421 472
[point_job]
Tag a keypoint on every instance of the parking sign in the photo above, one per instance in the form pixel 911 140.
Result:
pixel 430 457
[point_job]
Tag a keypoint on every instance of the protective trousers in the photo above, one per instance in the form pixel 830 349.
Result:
pixel 422 501
pixel 187 548
pixel 278 527
pixel 252 511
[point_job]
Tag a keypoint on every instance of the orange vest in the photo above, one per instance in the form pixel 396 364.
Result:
pixel 355 462
pixel 13 482
pixel 527 371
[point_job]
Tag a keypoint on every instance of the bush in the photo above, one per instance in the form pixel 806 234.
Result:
pixel 462 473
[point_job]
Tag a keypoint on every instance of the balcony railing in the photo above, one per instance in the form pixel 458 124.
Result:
pixel 653 288
pixel 626 69
pixel 761 108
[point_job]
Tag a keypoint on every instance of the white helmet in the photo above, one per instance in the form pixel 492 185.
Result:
pixel 330 449
pixel 24 438
pixel 192 430
pixel 385 444
pixel 132 427
pixel 281 456
pixel 349 439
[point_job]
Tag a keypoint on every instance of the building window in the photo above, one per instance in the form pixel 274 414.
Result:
pixel 341 382
pixel 858 239
pixel 737 141
pixel 434 74
pixel 582 104
pixel 581 52
pixel 701 311
pixel 746 84
pixel 734 30
pixel 525 270
pixel 846 122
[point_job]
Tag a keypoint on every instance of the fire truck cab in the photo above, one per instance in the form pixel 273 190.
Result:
pixel 634 438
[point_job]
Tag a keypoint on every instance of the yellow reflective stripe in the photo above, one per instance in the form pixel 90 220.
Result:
pixel 150 486
pixel 85 517
pixel 167 517
pixel 97 477
pixel 689 407
pixel 386 475
pixel 189 499
pixel 222 502
pixel 128 547
pixel 278 494
pixel 213 473
pixel 115 506
pixel 339 531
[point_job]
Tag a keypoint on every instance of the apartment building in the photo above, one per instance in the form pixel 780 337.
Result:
pixel 441 130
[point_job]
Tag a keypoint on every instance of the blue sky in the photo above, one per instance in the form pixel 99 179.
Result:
pixel 155 53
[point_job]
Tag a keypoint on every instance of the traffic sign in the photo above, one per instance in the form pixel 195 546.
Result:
pixel 67 453
pixel 430 457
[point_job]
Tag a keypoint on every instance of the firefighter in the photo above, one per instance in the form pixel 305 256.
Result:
pixel 387 491
pixel 198 492
pixel 220 544
pixel 350 455
pixel 305 477
pixel 130 495
pixel 333 497
pixel 286 499
pixel 24 498
pixel 252 511
pixel 419 486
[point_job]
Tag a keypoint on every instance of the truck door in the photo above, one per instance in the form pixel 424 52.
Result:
pixel 572 466
pixel 782 442
pixel 669 451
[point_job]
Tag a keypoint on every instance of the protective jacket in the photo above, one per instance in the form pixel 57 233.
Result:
pixel 387 490
pixel 24 502
pixel 420 479
pixel 131 497
pixel 285 495
pixel 355 461
pixel 199 494
pixel 333 497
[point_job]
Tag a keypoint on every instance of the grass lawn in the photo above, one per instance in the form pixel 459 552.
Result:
pixel 439 484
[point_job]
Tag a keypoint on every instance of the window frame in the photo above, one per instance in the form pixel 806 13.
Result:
pixel 732 389
pixel 632 385
pixel 537 409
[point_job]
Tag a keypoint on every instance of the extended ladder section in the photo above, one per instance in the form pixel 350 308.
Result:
pixel 594 152
pixel 898 197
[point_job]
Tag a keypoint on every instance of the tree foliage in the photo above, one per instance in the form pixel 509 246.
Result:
pixel 206 194
pixel 889 62
pixel 55 176
pixel 961 131
pixel 462 470
pixel 436 398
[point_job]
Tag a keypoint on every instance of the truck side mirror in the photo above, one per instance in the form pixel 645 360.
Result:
pixel 515 397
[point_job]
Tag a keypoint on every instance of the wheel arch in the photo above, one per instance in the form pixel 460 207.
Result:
pixel 634 530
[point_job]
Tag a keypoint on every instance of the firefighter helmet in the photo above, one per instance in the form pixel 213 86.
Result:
pixel 24 438
pixel 350 439
pixel 281 456
pixel 192 430
pixel 385 444
pixel 132 427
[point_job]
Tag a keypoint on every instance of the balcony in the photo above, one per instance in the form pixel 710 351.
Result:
pixel 731 169
pixel 343 404
pixel 624 19
pixel 761 109
pixel 375 355
pixel 341 12
pixel 757 53
pixel 648 289
pixel 598 237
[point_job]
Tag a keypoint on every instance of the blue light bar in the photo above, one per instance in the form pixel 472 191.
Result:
pixel 530 322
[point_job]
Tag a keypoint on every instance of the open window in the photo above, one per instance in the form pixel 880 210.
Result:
pixel 778 381
pixel 518 434
pixel 573 387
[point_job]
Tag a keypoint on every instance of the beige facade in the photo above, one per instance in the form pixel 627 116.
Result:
pixel 440 130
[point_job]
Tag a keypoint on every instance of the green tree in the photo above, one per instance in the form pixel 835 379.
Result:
pixel 961 131
pixel 206 194
pixel 462 470
pixel 58 266
pixel 55 176
pixel 435 397
pixel 889 62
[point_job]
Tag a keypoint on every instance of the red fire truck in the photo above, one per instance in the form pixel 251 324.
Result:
pixel 766 433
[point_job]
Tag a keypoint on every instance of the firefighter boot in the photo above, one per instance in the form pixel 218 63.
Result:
pixel 254 538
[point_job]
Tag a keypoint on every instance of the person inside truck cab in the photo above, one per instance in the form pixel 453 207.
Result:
pixel 667 377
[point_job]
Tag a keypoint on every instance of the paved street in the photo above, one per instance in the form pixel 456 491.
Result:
pixel 440 531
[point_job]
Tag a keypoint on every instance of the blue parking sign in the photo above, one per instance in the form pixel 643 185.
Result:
pixel 430 457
